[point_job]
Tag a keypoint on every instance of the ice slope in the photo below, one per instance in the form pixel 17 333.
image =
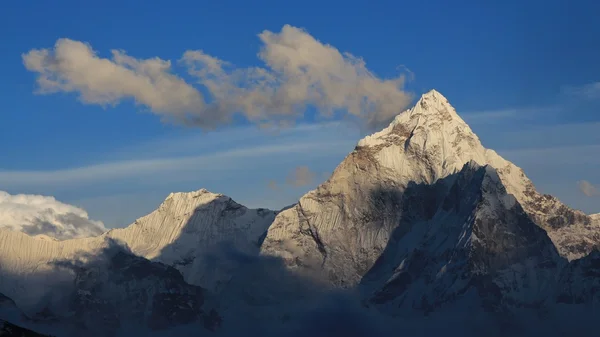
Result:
pixel 344 225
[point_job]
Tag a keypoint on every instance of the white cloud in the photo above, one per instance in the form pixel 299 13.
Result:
pixel 72 66
pixel 299 71
pixel 587 188
pixel 42 215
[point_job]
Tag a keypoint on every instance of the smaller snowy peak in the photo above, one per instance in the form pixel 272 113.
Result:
pixel 186 202
pixel 200 196
pixel 187 227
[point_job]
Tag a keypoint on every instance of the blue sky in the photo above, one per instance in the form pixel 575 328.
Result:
pixel 522 74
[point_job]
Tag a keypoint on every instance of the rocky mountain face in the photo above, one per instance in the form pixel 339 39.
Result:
pixel 420 220
pixel 475 243
pixel 345 224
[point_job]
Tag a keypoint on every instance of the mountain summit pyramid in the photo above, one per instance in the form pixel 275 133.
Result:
pixel 345 224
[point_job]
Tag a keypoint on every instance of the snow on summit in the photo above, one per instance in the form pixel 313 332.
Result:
pixel 345 223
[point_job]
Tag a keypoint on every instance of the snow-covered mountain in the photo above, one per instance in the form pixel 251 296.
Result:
pixel 188 227
pixel 476 244
pixel 182 233
pixel 420 219
pixel 345 224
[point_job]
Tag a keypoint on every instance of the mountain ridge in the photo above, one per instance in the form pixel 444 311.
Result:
pixel 419 217
pixel 423 144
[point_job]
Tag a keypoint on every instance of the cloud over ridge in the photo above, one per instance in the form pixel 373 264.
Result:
pixel 46 216
pixel 299 72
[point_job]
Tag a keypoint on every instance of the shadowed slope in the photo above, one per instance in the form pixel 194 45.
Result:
pixel 344 224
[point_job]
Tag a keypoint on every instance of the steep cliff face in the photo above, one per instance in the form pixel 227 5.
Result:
pixel 344 225
pixel 477 249
pixel 580 281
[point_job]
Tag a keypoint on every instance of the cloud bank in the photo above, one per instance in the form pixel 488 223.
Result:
pixel 41 215
pixel 299 72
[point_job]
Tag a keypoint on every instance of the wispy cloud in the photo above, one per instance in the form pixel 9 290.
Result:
pixel 195 142
pixel 523 137
pixel 126 183
pixel 299 71
pixel 511 114
pixel 587 188
pixel 557 155
pixel 301 176
pixel 42 215
pixel 590 91
pixel 213 161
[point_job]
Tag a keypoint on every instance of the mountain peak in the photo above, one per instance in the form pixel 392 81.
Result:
pixel 202 195
pixel 433 94
pixel 434 104
pixel 433 126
